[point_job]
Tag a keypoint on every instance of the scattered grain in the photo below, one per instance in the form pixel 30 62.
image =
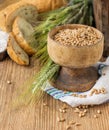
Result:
pixel 81 114
pixel 60 119
pixel 98 91
pixel 77 124
pixel 64 107
pixel 79 107
pixel 82 96
pixel 93 91
pixel 98 111
pixel 68 127
pixel 86 106
pixel 83 106
pixel 103 90
pixel 62 110
pixel 76 110
pixel 75 95
pixel 72 122
pixel 45 104
pixel 8 82
pixel 95 116
pixel 85 110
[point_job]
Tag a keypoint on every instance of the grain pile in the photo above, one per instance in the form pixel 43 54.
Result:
pixel 77 36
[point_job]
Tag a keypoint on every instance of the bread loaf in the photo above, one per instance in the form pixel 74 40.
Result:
pixel 22 31
pixel 47 5
pixel 16 53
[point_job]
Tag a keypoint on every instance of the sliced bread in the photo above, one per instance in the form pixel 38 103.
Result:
pixel 25 10
pixel 16 53
pixel 22 31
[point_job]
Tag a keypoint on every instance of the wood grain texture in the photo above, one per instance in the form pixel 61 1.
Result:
pixel 39 117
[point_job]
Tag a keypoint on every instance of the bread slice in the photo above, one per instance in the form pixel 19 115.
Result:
pixel 16 53
pixel 22 31
pixel 25 10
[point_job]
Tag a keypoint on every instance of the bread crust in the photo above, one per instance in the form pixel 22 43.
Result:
pixel 14 54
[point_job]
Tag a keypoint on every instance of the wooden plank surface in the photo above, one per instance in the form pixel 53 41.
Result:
pixel 40 117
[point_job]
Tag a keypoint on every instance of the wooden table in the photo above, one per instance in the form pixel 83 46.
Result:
pixel 40 117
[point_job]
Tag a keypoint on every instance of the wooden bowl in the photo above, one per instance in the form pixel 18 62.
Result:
pixel 75 75
pixel 74 56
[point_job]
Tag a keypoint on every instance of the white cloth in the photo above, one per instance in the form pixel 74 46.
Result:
pixel 95 99
pixel 3 40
